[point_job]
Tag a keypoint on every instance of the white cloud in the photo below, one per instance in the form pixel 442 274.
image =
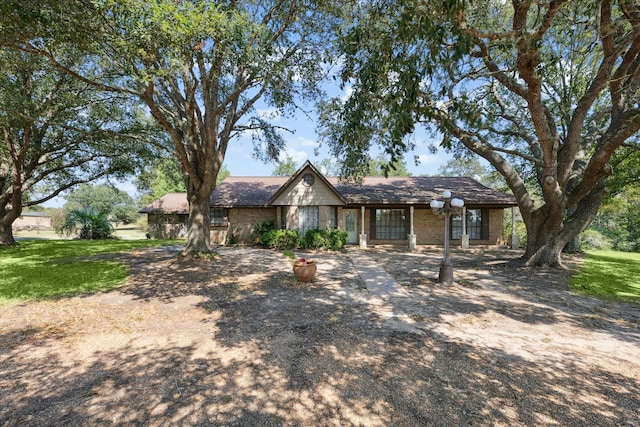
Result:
pixel 301 141
pixel 347 94
pixel 298 156
pixel 270 114
pixel 429 159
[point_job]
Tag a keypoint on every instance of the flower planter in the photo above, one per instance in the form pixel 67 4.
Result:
pixel 304 270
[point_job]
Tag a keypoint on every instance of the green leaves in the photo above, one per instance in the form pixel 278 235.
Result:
pixel 542 91
pixel 395 56
pixel 87 224
pixel 59 131
pixel 103 199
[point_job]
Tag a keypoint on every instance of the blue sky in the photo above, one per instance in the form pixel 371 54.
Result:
pixel 301 145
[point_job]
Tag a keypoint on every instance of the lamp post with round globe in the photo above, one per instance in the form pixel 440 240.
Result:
pixel 446 207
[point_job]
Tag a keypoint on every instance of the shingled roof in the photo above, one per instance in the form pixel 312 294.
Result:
pixel 169 203
pixel 246 192
pixel 257 192
pixel 420 191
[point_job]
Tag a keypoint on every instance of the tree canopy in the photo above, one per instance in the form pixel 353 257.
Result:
pixel 58 132
pixel 116 204
pixel 379 166
pixel 286 167
pixel 472 167
pixel 163 175
pixel 545 92
pixel 200 67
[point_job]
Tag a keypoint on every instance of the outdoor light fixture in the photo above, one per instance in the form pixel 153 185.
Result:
pixel 445 208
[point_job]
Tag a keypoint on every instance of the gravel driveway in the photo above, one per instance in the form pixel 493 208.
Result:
pixel 237 341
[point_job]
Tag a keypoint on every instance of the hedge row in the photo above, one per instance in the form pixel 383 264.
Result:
pixel 333 240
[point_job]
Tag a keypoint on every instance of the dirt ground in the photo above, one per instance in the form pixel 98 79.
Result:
pixel 238 342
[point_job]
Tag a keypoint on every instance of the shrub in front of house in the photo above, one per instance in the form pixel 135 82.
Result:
pixel 337 239
pixel 315 239
pixel 333 240
pixel 281 239
pixel 232 237
pixel 261 228
pixel 264 226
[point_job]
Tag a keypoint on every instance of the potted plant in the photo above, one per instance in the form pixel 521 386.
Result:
pixel 304 270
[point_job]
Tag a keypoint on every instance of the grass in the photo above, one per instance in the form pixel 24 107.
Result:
pixel 44 269
pixel 609 275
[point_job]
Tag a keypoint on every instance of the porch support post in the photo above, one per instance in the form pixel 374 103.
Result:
pixel 412 236
pixel 464 237
pixel 363 236
pixel 515 241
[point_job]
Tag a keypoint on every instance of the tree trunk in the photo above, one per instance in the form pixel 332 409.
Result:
pixel 549 232
pixel 198 238
pixel 544 231
pixel 6 234
pixel 9 212
pixel 573 247
pixel 544 250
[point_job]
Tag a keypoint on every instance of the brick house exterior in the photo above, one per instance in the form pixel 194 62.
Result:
pixel 376 210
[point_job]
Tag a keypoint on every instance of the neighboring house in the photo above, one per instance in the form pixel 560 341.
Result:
pixel 32 221
pixel 378 210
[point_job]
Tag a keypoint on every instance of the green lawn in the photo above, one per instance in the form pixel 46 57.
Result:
pixel 610 275
pixel 40 269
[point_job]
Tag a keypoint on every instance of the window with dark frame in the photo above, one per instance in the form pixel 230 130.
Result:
pixel 333 217
pixel 283 217
pixel 218 217
pixel 390 224
pixel 475 224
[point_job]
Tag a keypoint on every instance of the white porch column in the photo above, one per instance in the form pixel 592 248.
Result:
pixel 515 241
pixel 363 236
pixel 412 236
pixel 464 237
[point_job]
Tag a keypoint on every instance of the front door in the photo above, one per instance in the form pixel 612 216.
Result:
pixel 350 221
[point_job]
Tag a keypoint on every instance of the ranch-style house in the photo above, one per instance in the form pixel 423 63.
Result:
pixel 378 210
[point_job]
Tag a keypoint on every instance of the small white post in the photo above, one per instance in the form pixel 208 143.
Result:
pixel 363 236
pixel 412 236
pixel 464 237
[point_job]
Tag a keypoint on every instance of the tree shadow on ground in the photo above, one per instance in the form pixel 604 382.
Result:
pixel 336 373
pixel 495 281
pixel 276 352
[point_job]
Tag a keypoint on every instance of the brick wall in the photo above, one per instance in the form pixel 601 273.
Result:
pixel 242 221
pixel 167 226
pixel 429 228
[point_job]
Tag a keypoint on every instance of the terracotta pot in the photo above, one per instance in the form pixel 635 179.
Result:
pixel 304 272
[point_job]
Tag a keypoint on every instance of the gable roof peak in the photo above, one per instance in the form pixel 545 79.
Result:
pixel 307 165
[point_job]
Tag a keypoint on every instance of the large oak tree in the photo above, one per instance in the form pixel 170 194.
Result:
pixel 201 67
pixel 545 91
pixel 57 132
